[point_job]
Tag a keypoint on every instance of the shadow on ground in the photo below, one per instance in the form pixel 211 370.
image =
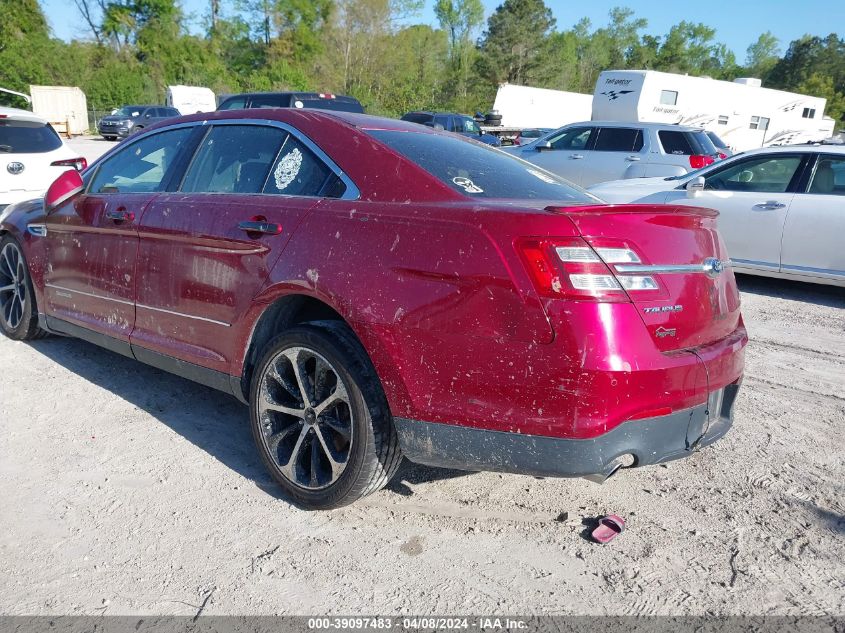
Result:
pixel 819 294
pixel 212 420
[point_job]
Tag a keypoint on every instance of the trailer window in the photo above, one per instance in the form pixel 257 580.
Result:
pixel 809 113
pixel 723 119
pixel 669 97
pixel 759 123
pixel 619 139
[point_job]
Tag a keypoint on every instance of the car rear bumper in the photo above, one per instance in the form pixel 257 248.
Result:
pixel 648 441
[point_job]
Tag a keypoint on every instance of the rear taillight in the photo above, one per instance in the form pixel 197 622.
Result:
pixel 77 163
pixel 569 269
pixel 697 161
pixel 722 156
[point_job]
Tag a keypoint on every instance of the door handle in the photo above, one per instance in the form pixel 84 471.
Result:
pixel 260 226
pixel 576 156
pixel 120 215
pixel 771 205
pixel 633 159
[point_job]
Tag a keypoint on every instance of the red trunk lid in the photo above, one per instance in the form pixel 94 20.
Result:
pixel 695 304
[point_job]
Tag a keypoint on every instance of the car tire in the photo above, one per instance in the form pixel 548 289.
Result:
pixel 18 311
pixel 338 444
pixel 110 138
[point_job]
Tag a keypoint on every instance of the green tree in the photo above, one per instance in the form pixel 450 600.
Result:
pixel 762 56
pixel 515 46
pixel 460 19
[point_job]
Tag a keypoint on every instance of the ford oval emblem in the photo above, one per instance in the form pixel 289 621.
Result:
pixel 14 168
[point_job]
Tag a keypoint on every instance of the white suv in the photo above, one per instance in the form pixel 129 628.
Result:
pixel 32 156
pixel 596 151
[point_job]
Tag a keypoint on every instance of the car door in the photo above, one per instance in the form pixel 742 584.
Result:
pixel 753 196
pixel 613 152
pixel 207 248
pixel 92 240
pixel 562 152
pixel 814 233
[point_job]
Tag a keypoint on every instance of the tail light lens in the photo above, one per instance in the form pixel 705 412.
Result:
pixel 722 156
pixel 697 161
pixel 77 163
pixel 572 269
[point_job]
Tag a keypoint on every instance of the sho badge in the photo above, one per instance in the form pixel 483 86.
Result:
pixel 663 332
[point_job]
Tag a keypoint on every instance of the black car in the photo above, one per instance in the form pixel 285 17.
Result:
pixel 322 100
pixel 131 118
pixel 458 123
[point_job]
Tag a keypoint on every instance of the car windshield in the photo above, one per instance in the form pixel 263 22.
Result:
pixel 479 171
pixel 27 137
pixel 467 124
pixel 128 111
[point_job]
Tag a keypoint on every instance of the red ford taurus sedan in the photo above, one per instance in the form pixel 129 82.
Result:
pixel 374 289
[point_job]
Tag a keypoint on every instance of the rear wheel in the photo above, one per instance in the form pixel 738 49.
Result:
pixel 320 417
pixel 18 314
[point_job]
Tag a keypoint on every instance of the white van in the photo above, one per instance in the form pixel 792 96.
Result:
pixel 191 99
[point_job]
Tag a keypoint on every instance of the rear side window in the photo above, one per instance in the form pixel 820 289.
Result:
pixel 298 172
pixel 829 176
pixel 479 171
pixel 686 143
pixel 619 139
pixel 233 159
pixel 716 140
pixel 27 137
pixel 142 166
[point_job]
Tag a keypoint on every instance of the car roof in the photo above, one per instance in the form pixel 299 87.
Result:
pixel 291 92
pixel 20 115
pixel 647 125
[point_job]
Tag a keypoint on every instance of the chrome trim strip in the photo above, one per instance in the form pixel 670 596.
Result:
pixel 187 316
pixel 87 294
pixel 667 269
pixel 38 230
pixel 810 269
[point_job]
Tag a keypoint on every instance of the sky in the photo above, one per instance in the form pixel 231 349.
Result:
pixel 737 22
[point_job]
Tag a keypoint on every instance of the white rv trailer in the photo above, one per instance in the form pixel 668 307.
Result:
pixel 190 99
pixel 525 107
pixel 742 113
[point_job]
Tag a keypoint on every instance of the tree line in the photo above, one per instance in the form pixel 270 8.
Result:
pixel 376 50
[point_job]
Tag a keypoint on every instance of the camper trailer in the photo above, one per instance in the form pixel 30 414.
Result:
pixel 742 113
pixel 190 99
pixel 64 107
pixel 526 107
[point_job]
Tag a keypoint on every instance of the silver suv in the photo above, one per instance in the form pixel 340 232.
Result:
pixel 596 151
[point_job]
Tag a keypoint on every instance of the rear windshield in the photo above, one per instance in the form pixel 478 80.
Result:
pixel 716 140
pixel 686 143
pixel 27 137
pixel 479 171
pixel 338 105
pixel 417 117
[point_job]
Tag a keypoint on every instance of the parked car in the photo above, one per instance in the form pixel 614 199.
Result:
pixel 530 134
pixel 32 155
pixel 375 288
pixel 321 100
pixel 597 151
pixel 133 118
pixel 462 124
pixel 781 209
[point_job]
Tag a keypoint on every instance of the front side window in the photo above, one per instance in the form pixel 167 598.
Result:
pixel 298 172
pixel 142 166
pixel 479 171
pixel 669 97
pixel 27 137
pixel 829 176
pixel 765 174
pixel 572 138
pixel 233 159
pixel 235 103
pixel 619 139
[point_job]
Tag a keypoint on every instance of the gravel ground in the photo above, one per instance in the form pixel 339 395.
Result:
pixel 129 491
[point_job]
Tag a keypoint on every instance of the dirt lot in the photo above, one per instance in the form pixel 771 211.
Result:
pixel 128 491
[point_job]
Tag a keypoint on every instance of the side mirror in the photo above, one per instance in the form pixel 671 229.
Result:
pixel 695 186
pixel 63 188
pixel 543 146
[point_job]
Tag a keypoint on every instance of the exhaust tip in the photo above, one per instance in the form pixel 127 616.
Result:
pixel 623 461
